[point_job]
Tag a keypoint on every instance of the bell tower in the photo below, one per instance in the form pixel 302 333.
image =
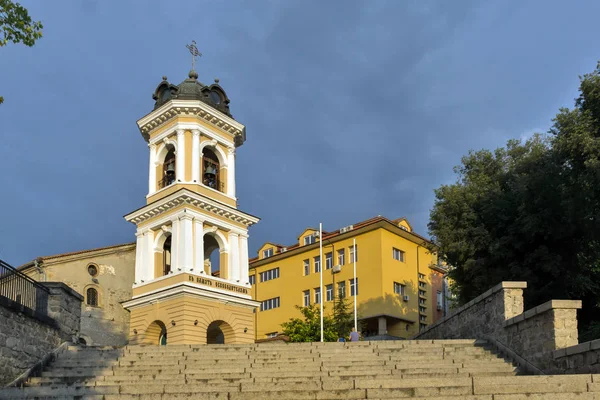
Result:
pixel 191 270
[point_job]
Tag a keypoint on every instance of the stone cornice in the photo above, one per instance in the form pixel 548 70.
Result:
pixel 184 196
pixel 174 108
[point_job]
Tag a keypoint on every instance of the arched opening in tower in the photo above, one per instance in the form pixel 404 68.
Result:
pixel 211 175
pixel 212 256
pixel 167 168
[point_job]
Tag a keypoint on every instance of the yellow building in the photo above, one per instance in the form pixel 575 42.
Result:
pixel 395 273
pixel 191 266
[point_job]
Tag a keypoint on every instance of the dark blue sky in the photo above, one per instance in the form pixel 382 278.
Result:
pixel 353 109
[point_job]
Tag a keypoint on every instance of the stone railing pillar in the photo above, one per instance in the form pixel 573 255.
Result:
pixel 64 306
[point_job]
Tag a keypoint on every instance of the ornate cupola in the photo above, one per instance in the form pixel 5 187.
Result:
pixel 192 240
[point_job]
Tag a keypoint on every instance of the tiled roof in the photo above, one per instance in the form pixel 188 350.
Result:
pixel 370 221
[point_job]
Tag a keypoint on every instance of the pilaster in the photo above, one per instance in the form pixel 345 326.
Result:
pixel 231 171
pixel 180 159
pixel 196 156
pixel 139 258
pixel 175 244
pixel 148 266
pixel 243 241
pixel 152 170
pixel 198 246
pixel 186 244
pixel 234 258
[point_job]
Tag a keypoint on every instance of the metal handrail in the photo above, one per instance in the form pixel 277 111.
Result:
pixel 21 289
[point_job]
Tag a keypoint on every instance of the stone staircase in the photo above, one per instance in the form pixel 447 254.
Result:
pixel 439 369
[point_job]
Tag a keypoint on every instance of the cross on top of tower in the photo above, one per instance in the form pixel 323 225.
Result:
pixel 194 52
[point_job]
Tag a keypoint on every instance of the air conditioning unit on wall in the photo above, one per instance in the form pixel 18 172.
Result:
pixel 406 297
pixel 336 269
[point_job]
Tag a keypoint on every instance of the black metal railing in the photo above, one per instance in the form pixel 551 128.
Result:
pixel 166 181
pixel 18 287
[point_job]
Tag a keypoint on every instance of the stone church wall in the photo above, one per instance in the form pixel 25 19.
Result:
pixel 27 337
pixel 108 322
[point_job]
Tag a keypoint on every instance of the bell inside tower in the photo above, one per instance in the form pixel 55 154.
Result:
pixel 210 170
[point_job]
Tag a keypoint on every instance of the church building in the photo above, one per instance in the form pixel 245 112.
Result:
pixel 187 278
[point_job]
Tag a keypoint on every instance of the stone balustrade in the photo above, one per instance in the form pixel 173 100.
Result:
pixel 531 337
pixel 28 337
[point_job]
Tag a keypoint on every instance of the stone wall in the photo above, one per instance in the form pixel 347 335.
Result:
pixel 583 358
pixel 27 337
pixel 497 315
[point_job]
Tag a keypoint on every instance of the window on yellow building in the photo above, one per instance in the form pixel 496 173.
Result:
pixel 399 288
pixel 398 254
pixel 269 275
pixel 306 298
pixel 422 301
pixel 329 292
pixel 342 290
pixel 341 256
pixel 309 239
pixel 421 276
pixel 422 293
pixel 267 252
pixel 318 295
pixel 328 260
pixel 353 253
pixel 422 309
pixel 269 304
pixel 422 284
pixel 306 267
pixel 422 318
pixel 252 279
pixel 353 287
pixel 317 264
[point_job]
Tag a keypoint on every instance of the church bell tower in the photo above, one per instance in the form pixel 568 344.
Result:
pixel 191 270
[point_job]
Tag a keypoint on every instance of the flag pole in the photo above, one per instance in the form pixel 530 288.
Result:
pixel 355 291
pixel 321 273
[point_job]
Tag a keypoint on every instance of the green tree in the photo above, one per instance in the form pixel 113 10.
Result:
pixel 529 211
pixel 16 26
pixel 308 328
pixel 343 317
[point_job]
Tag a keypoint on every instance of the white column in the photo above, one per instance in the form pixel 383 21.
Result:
pixel 175 244
pixel 139 261
pixel 234 257
pixel 198 246
pixel 152 170
pixel 243 243
pixel 148 255
pixel 231 171
pixel 196 156
pixel 186 244
pixel 180 160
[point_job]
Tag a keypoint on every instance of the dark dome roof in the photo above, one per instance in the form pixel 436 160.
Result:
pixel 192 89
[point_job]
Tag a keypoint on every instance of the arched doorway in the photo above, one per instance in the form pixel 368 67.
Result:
pixel 156 334
pixel 219 332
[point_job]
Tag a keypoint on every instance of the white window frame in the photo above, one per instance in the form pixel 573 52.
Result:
pixel 306 298
pixel 306 267
pixel 398 255
pixel 252 279
pixel 329 292
pixel 353 253
pixel 328 260
pixel 399 288
pixel 342 289
pixel 270 304
pixel 341 256
pixel 310 239
pixel 268 252
pixel 353 290
pixel 317 295
pixel 440 299
pixel 269 275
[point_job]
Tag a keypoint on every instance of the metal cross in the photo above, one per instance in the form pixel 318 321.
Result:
pixel 194 52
